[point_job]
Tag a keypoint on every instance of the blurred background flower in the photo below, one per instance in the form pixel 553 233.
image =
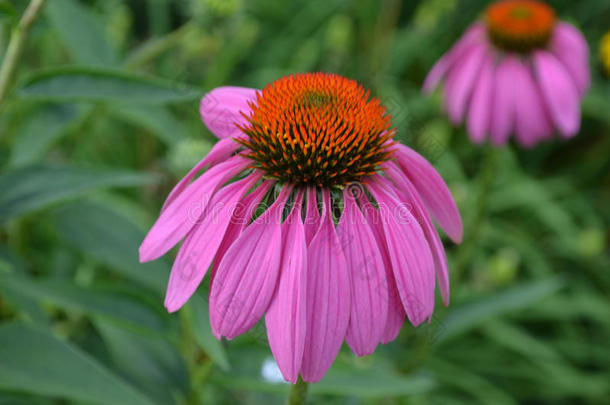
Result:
pixel 519 71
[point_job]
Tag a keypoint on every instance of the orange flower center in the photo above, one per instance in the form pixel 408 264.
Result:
pixel 520 25
pixel 317 129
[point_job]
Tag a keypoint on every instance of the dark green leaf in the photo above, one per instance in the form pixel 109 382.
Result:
pixel 96 85
pixel 112 239
pixel 25 190
pixel 82 32
pixel 34 361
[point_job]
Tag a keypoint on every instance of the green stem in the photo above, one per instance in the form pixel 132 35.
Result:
pixel 298 393
pixel 15 46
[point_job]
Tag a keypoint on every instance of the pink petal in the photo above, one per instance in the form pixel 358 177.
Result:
pixel 460 82
pixel 328 298
pixel 368 279
pixel 181 214
pixel 220 152
pixel 410 254
pixel 247 276
pixel 438 251
pixel 286 317
pixel 503 103
pixel 570 47
pixel 479 111
pixel 220 109
pixel 474 35
pixel 532 123
pixel 433 191
pixel 312 216
pixel 396 312
pixel 241 217
pixel 200 246
pixel 559 92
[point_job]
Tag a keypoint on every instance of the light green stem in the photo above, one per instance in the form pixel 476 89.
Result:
pixel 298 393
pixel 15 47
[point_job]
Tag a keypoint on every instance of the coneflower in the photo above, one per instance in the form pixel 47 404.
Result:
pixel 311 214
pixel 518 71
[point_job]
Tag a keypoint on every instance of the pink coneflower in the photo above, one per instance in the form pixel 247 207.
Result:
pixel 310 214
pixel 519 71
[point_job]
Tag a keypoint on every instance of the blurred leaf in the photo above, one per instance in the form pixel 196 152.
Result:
pixel 112 239
pixel 82 32
pixel 34 361
pixel 372 383
pixel 159 120
pixel 152 363
pixel 25 190
pixel 464 317
pixel 6 10
pixel 88 84
pixel 91 301
pixel 40 130
pixel 200 322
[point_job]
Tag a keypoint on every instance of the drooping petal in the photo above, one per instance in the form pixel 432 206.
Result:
pixel 241 217
pixel 181 214
pixel 436 246
pixel 410 254
pixel 433 191
pixel 221 151
pixel 460 82
pixel 503 102
pixel 247 276
pixel 220 109
pixel 396 312
pixel 479 111
pixel 531 121
pixel 559 92
pixel 570 47
pixel 286 317
pixel 312 216
pixel 328 298
pixel 368 280
pixel 200 246
pixel 474 35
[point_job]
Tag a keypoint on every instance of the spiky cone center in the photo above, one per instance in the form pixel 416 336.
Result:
pixel 317 129
pixel 520 25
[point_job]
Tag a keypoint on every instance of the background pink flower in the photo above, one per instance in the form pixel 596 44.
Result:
pixel 519 71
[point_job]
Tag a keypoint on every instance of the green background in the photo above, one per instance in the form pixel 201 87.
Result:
pixel 103 120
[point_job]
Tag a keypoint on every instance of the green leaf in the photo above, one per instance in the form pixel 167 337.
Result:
pixel 36 362
pixel 40 130
pixel 200 322
pixel 151 362
pixel 157 119
pixel 97 85
pixel 110 238
pixel 82 32
pixel 25 190
pixel 6 10
pixel 113 304
pixel 468 316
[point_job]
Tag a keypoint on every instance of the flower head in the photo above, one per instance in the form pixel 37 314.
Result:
pixel 309 214
pixel 518 71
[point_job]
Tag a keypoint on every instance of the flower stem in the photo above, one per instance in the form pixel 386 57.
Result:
pixel 298 393
pixel 15 46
